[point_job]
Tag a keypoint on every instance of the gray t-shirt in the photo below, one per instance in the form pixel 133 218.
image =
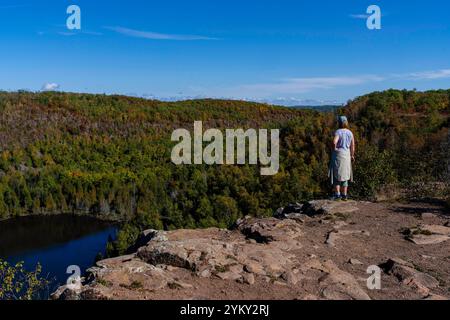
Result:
pixel 345 139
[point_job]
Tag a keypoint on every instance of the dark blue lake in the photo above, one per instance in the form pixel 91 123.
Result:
pixel 56 242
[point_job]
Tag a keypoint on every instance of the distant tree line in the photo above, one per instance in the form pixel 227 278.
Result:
pixel 109 156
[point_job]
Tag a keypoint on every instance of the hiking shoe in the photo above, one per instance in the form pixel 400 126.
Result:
pixel 335 198
pixel 344 198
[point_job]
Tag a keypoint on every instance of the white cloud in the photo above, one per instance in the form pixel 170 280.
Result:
pixel 66 34
pixel 359 16
pixel 50 87
pixel 71 33
pixel 93 33
pixel 157 36
pixel 302 85
pixel 429 75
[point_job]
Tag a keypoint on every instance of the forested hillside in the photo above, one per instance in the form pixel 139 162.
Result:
pixel 109 156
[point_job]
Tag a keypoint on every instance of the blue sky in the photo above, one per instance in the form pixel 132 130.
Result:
pixel 285 51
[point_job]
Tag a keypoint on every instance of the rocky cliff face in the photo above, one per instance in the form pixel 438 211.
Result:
pixel 320 250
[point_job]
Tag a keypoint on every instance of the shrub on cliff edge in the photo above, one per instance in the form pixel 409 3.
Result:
pixel 20 284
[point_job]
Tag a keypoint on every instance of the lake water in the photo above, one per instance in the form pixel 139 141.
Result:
pixel 56 242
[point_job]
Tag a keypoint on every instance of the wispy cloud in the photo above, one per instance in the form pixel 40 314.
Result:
pixel 66 34
pixel 294 86
pixel 93 33
pixel 74 33
pixel 156 35
pixel 365 16
pixel 359 16
pixel 302 85
pixel 429 75
pixel 13 6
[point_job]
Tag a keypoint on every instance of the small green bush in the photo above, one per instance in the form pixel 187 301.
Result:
pixel 20 284
pixel 372 170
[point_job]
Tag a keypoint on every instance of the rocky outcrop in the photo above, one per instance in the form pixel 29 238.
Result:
pixel 329 207
pixel 408 275
pixel 305 252
pixel 257 247
pixel 336 234
pixel 428 234
pixel 336 284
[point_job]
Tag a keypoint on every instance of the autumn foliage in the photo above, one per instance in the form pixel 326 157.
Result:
pixel 109 156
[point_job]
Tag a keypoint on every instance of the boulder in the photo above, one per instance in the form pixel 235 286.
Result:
pixel 248 278
pixel 334 235
pixel 329 207
pixel 409 276
pixel 421 239
pixel 428 234
pixel 292 210
pixel 436 229
pixel 428 215
pixel 254 267
pixel 64 293
pixel 290 277
pixel 145 237
pixel 337 284
pixel 225 254
pixel 228 275
pixel 354 261
pixel 435 297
